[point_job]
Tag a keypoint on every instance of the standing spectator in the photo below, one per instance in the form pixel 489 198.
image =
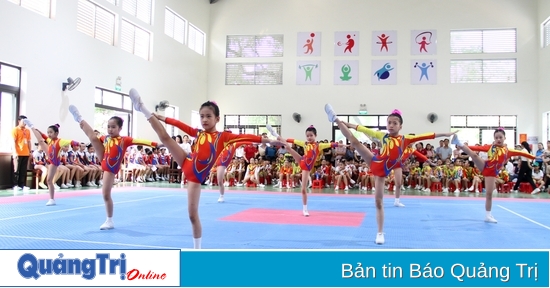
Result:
pixel 445 152
pixel 437 152
pixel 21 152
pixel 539 154
pixel 525 173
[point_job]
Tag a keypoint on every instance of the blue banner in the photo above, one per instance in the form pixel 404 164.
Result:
pixel 364 268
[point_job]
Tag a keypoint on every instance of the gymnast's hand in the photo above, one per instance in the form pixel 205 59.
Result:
pixel 159 117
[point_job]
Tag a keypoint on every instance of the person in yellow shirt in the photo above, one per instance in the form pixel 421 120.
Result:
pixel 503 178
pixel 21 154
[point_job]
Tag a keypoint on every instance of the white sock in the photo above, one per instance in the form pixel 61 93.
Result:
pixel 305 208
pixel 396 200
pixel 488 213
pixel 109 218
pixel 146 112
pixel 196 243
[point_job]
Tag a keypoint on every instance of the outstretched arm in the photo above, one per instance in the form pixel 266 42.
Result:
pixel 367 131
pixel 521 153
pixel 180 125
pixel 419 156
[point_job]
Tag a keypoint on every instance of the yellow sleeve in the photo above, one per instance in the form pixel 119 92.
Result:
pixel 323 146
pixel 415 138
pixel 297 142
pixel 371 133
pixel 65 142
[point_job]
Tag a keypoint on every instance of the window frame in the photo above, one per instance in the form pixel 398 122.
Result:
pixel 115 22
pixel 51 7
pixel 150 44
pixel 16 91
pixel 483 77
pixel 135 13
pixel 185 25
pixel 481 128
pixel 129 123
pixel 545 37
pixel 348 118
pixel 192 26
pixel 255 49
pixel 482 51
pixel 256 64
pixel 258 128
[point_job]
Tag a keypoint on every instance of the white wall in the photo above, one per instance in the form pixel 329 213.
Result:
pixel 250 17
pixel 544 68
pixel 50 50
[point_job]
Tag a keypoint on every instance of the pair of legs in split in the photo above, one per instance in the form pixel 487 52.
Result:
pixel 367 156
pixel 179 155
pixel 52 169
pixel 306 174
pixel 108 177
pixel 489 180
pixel 306 178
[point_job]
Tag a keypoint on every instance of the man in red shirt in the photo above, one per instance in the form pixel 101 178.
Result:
pixel 250 151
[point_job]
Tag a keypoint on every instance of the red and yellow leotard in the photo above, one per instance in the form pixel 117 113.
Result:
pixel 115 149
pixel 208 147
pixel 392 149
pixel 497 157
pixel 228 152
pixel 407 153
pixel 54 148
pixel 312 152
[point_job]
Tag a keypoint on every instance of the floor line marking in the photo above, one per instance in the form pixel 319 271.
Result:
pixel 86 241
pixel 80 208
pixel 526 218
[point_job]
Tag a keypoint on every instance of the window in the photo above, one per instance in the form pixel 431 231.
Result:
pixel 479 129
pixel 483 41
pixel 174 25
pixel 375 122
pixel 141 9
pixel 172 112
pixel 195 119
pixel 545 31
pixel 252 124
pixel 254 74
pixel 9 104
pixel 249 46
pixel 96 22
pixel 42 7
pixel 135 40
pixel 483 71
pixel 10 75
pixel 368 121
pixel 114 2
pixel 110 103
pixel 196 39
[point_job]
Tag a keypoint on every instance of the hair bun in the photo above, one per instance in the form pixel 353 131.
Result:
pixel 57 125
pixel 396 111
pixel 500 128
pixel 311 126
pixel 214 102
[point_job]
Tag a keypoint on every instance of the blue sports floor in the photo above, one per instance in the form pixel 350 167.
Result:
pixel 149 218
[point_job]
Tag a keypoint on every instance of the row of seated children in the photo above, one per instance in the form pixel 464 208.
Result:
pixel 147 165
pixel 458 176
pixel 77 163
pixel 239 173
